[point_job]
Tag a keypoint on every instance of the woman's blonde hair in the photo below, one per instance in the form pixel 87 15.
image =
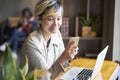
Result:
pixel 47 7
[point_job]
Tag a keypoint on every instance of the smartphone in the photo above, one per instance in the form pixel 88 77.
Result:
pixel 74 40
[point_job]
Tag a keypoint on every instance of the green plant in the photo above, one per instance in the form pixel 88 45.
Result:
pixel 93 21
pixel 84 21
pixel 10 71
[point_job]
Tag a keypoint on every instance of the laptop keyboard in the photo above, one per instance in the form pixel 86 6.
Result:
pixel 85 74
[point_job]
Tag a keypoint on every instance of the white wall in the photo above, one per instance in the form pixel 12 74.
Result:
pixel 116 39
pixel 14 7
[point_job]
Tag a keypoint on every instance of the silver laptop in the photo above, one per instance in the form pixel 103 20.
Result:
pixel 78 73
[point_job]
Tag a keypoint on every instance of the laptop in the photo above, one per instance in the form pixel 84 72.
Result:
pixel 78 73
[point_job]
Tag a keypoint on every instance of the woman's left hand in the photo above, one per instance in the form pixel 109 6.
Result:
pixel 69 53
pixel 71 50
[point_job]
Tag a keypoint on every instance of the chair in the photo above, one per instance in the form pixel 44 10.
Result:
pixel 13 21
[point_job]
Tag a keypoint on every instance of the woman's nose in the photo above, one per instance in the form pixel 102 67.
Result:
pixel 55 22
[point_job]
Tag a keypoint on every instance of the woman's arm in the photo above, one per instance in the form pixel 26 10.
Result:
pixel 36 60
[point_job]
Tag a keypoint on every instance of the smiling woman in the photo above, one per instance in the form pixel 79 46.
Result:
pixel 44 47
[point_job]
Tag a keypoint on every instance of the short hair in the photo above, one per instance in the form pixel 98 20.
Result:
pixel 47 6
pixel 27 10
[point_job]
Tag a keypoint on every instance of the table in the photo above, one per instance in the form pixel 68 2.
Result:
pixel 110 70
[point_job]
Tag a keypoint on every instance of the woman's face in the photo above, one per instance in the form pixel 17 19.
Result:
pixel 51 23
pixel 27 14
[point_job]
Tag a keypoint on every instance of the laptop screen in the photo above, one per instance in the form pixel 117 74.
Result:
pixel 99 61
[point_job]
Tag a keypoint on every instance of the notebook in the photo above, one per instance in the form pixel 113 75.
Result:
pixel 75 71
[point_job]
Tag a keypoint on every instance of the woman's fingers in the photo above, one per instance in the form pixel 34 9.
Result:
pixel 73 52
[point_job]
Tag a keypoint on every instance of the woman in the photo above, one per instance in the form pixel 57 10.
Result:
pixel 44 47
pixel 26 24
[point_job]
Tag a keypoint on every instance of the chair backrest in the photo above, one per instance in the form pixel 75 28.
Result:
pixel 13 21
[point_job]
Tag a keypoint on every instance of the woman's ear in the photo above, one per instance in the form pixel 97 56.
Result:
pixel 39 19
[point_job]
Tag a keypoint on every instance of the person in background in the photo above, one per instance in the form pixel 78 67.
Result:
pixel 44 46
pixel 26 24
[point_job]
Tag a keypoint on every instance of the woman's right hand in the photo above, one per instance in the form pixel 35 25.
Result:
pixel 20 29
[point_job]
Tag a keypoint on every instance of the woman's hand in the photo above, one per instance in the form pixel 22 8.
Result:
pixel 71 50
pixel 25 22
pixel 69 53
pixel 20 29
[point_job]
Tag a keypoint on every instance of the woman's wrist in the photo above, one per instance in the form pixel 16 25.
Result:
pixel 63 62
pixel 63 58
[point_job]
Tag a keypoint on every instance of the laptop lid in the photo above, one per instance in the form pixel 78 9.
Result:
pixel 99 62
pixel 98 65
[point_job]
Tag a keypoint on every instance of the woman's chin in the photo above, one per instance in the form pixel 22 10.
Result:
pixel 54 31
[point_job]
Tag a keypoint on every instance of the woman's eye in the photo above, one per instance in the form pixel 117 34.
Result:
pixel 59 18
pixel 52 18
pixel 49 18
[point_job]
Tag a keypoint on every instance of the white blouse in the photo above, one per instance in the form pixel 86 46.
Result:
pixel 39 55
